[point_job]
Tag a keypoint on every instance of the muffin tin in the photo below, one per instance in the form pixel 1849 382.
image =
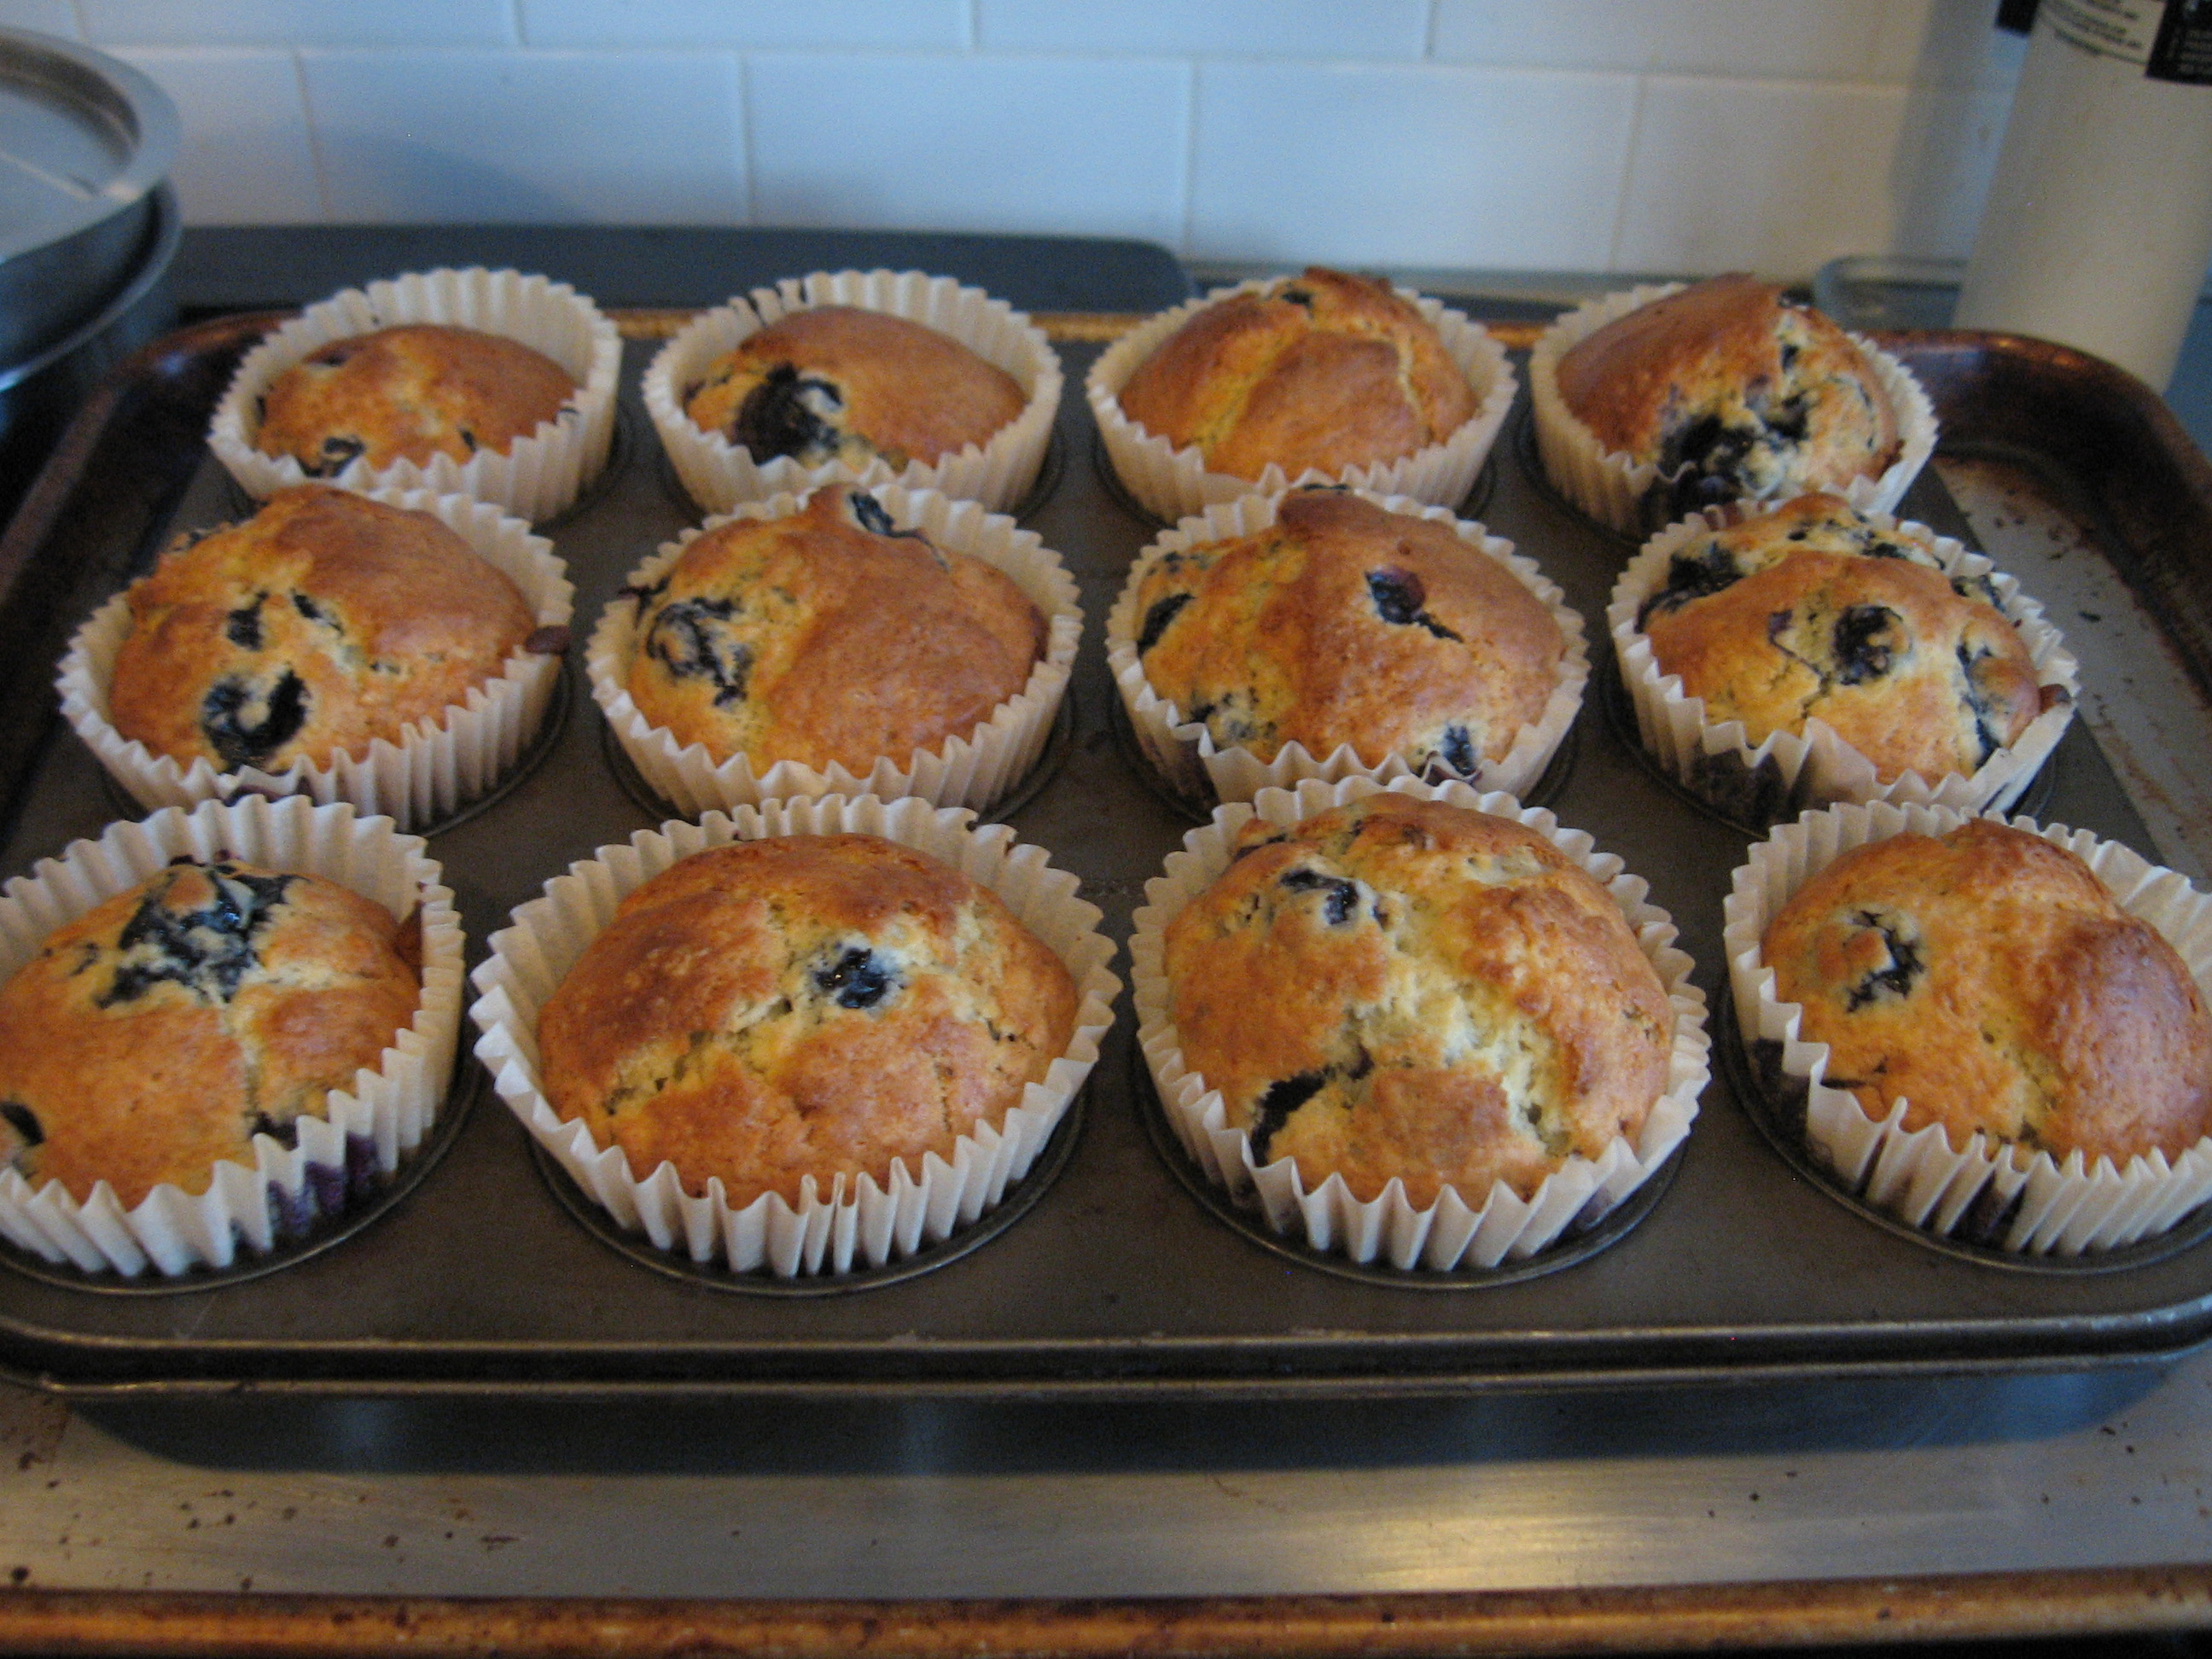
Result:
pixel 1117 1281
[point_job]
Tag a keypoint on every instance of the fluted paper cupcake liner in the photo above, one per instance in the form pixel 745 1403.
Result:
pixel 2046 1206
pixel 339 1158
pixel 1184 751
pixel 1174 484
pixel 438 765
pixel 973 770
pixel 1477 1229
pixel 1718 761
pixel 537 475
pixel 718 474
pixel 1617 491
pixel 866 1221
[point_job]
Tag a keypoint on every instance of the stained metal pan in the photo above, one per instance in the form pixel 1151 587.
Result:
pixel 1117 1281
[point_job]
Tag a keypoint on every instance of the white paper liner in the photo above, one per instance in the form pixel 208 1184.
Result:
pixel 1174 484
pixel 1184 751
pixel 436 767
pixel 538 475
pixel 1617 491
pixel 864 1222
pixel 1481 1230
pixel 1816 768
pixel 718 474
pixel 380 1121
pixel 2064 1209
pixel 974 770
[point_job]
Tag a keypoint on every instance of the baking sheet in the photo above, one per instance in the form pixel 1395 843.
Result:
pixel 1117 1282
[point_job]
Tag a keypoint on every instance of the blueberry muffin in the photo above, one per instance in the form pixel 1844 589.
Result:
pixel 1344 623
pixel 827 636
pixel 323 622
pixel 407 394
pixel 1731 390
pixel 804 1006
pixel 163 1030
pixel 1988 979
pixel 1406 989
pixel 1320 373
pixel 837 383
pixel 1813 610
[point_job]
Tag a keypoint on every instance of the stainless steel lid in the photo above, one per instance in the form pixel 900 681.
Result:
pixel 84 141
pixel 81 135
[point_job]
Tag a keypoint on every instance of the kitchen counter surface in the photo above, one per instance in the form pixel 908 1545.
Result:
pixel 1725 1514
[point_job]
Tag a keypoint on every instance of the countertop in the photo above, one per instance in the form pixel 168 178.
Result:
pixel 1721 1514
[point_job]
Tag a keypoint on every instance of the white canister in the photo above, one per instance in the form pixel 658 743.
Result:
pixel 2099 222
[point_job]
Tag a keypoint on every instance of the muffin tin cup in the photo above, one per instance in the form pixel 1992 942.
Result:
pixel 340 1158
pixel 720 474
pixel 847 1222
pixel 1765 782
pixel 437 767
pixel 1615 490
pixel 1992 1191
pixel 536 477
pixel 1183 752
pixel 1173 484
pixel 1459 1229
pixel 974 770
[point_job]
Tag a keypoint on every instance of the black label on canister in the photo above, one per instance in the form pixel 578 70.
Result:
pixel 2183 51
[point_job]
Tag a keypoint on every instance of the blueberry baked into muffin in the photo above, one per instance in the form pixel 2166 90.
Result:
pixel 839 383
pixel 325 622
pixel 1987 979
pixel 1344 623
pixel 1316 372
pixel 1724 391
pixel 162 1030
pixel 829 636
pixel 1813 611
pixel 802 1006
pixel 409 393
pixel 1406 989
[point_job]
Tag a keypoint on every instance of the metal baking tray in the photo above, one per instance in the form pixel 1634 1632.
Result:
pixel 1118 1280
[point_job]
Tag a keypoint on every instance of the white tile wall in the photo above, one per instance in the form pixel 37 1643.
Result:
pixel 1599 135
pixel 1369 165
pixel 636 137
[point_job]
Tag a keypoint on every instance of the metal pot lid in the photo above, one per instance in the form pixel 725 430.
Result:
pixel 82 137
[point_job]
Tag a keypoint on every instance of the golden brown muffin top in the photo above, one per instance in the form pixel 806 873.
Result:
pixel 1988 979
pixel 828 634
pixel 406 394
pixel 324 621
pixel 1342 623
pixel 1321 372
pixel 802 1006
pixel 1400 988
pixel 1731 390
pixel 1812 611
pixel 161 1030
pixel 838 383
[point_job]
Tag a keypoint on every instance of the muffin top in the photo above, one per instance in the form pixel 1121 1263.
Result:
pixel 407 394
pixel 1321 372
pixel 1812 610
pixel 1731 391
pixel 1988 979
pixel 321 624
pixel 161 1030
pixel 837 383
pixel 1400 988
pixel 1344 623
pixel 828 634
pixel 802 1006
